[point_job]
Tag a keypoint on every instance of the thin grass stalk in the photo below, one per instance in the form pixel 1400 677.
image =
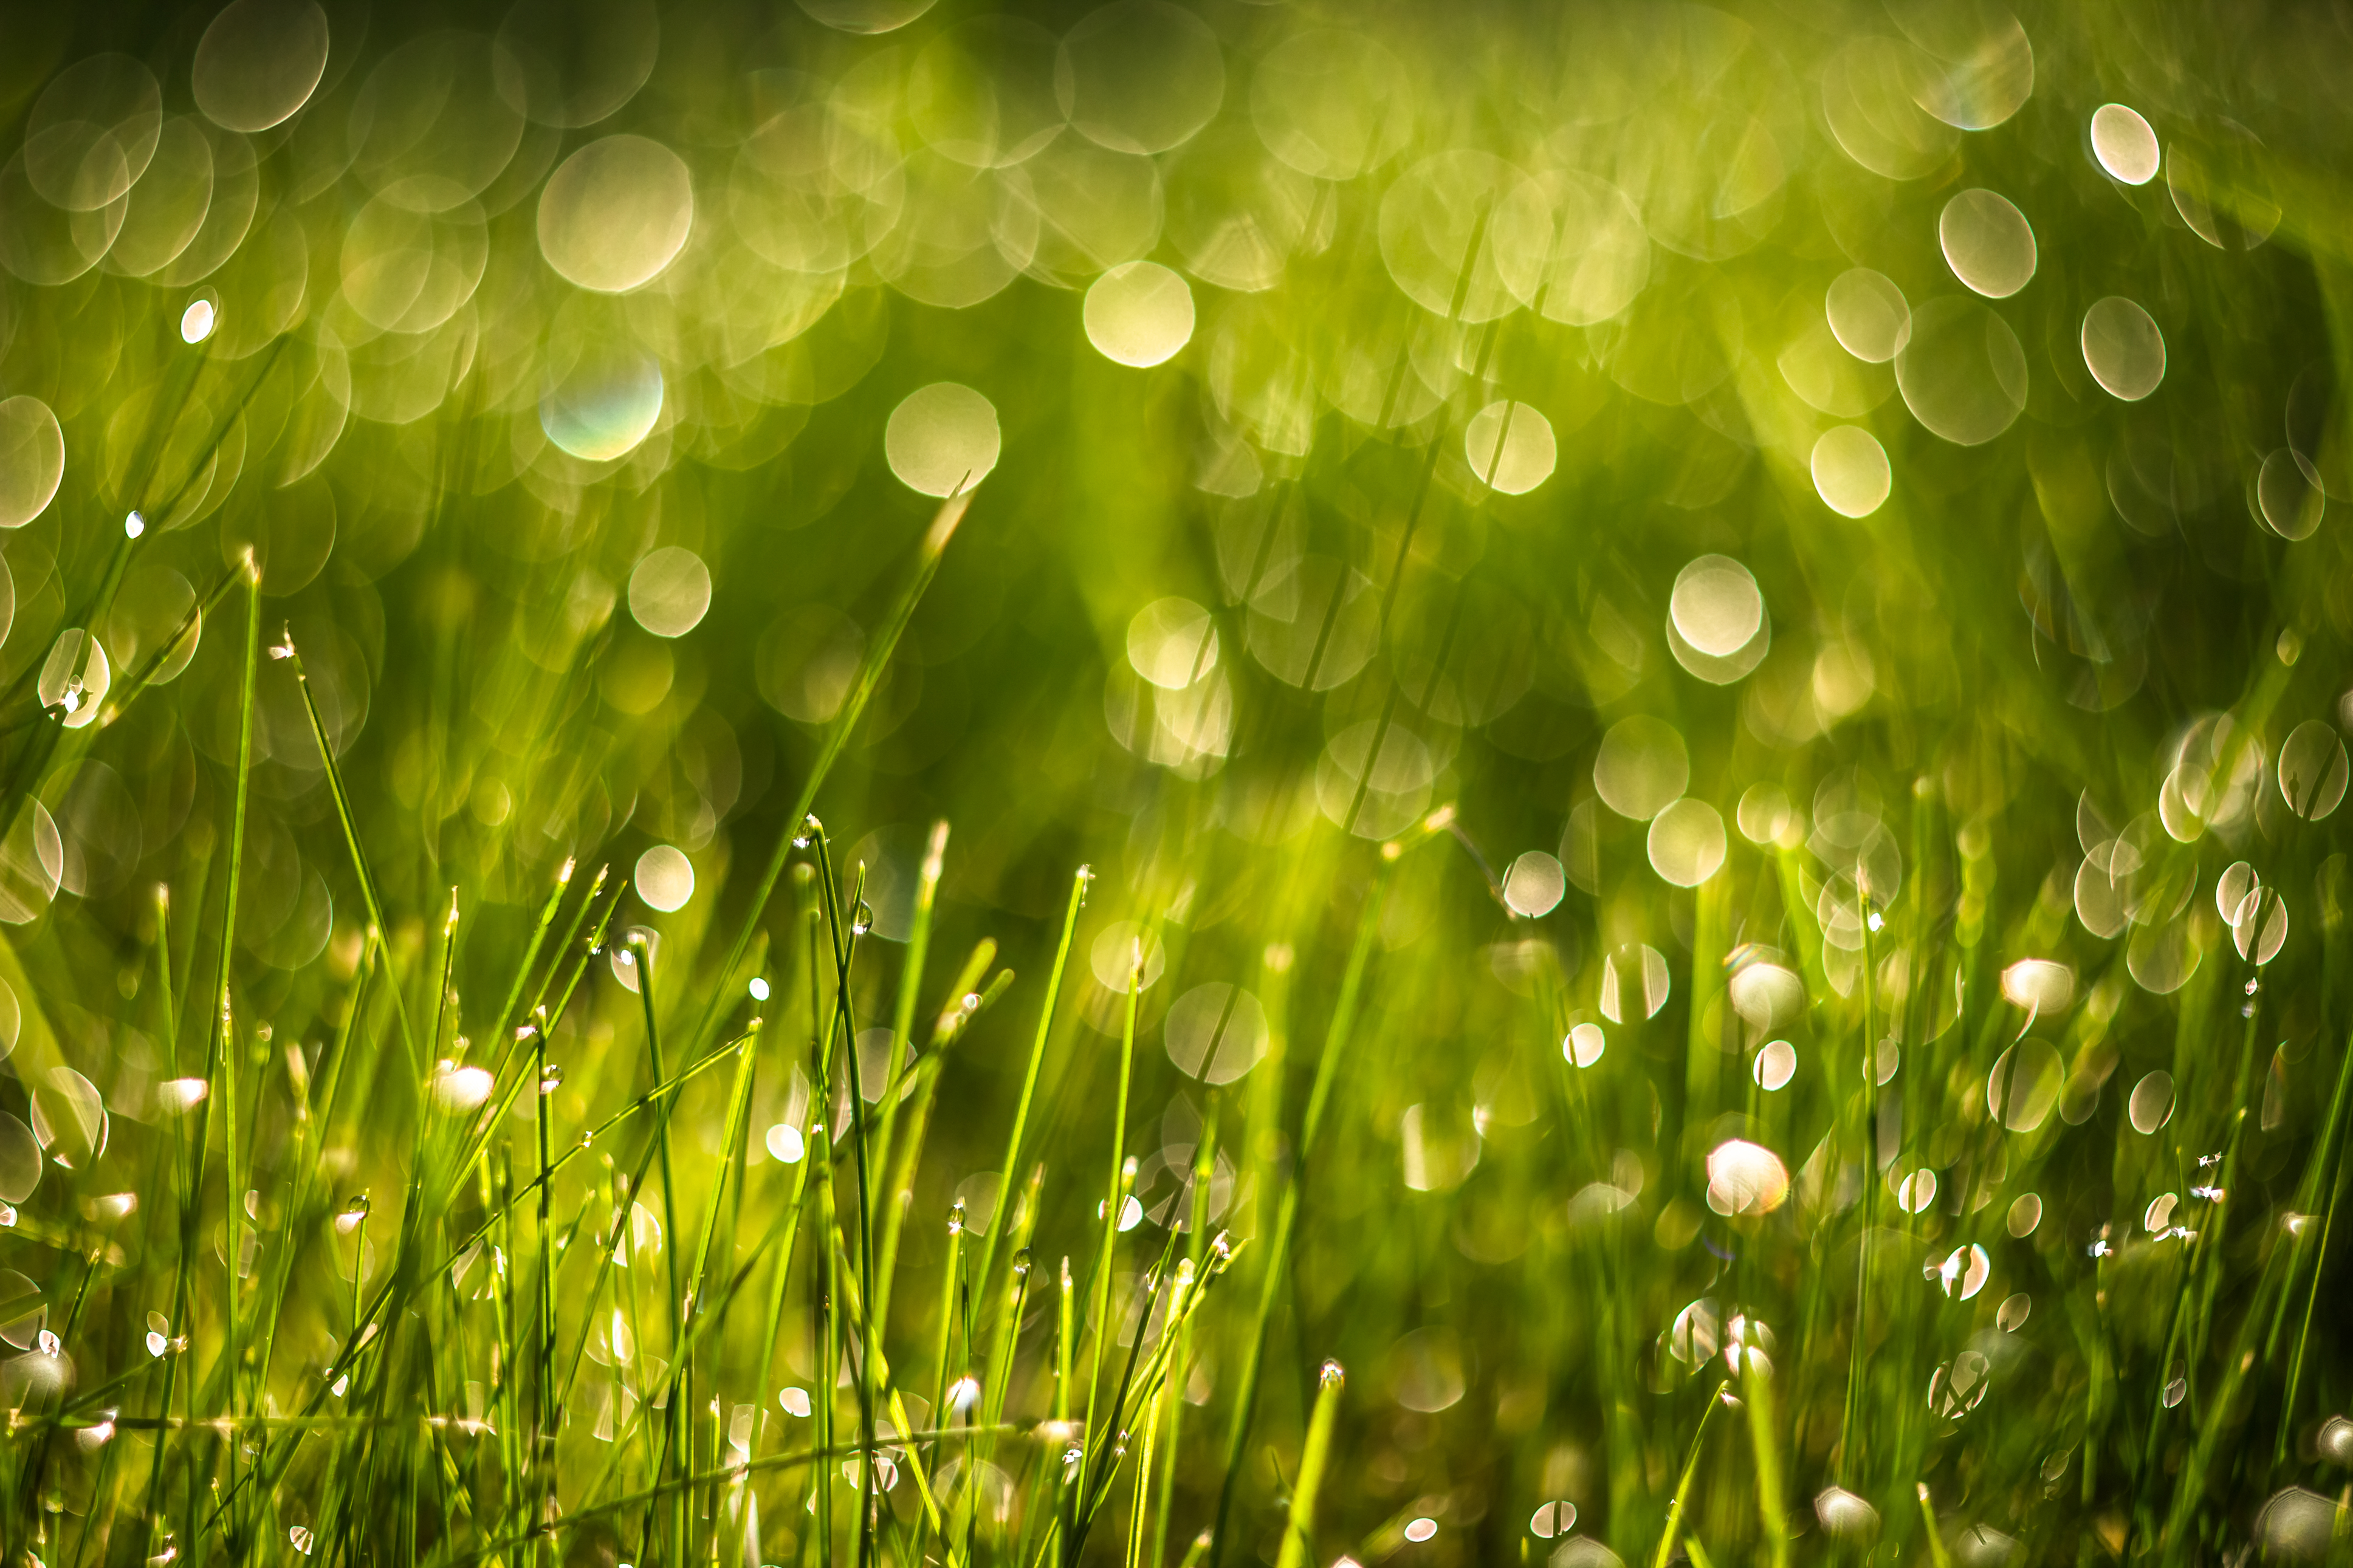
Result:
pixel 2320 1174
pixel 674 1311
pixel 1327 1067
pixel 845 946
pixel 963 1005
pixel 1204 1166
pixel 220 1066
pixel 1852 1417
pixel 902 1015
pixel 1757 1387
pixel 1012 1161
pixel 1299 1530
pixel 337 792
pixel 1123 1176
pixel 870 674
pixel 1937 1555
pixel 1679 1503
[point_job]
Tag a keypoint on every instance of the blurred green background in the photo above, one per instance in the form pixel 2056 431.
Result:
pixel 1809 531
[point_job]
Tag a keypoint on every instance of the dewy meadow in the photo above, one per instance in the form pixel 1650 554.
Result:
pixel 1175 785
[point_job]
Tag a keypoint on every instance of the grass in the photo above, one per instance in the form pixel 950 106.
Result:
pixel 945 1053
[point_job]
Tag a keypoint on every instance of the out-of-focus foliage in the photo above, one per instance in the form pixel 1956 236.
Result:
pixel 1700 655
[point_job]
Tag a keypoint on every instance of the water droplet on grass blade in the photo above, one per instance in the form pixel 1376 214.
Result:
pixel 1845 1515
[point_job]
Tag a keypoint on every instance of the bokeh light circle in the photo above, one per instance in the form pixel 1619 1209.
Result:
pixel 1850 471
pixel 1868 314
pixel 1535 884
pixel 1641 767
pixel 665 878
pixel 1717 606
pixel 1139 314
pixel 2125 143
pixel 32 459
pixel 1331 103
pixel 616 213
pixel 1139 76
pixel 669 591
pixel 1963 373
pixel 258 61
pixel 1686 842
pixel 1988 243
pixel 1510 447
pixel 2123 348
pixel 941 438
pixel 605 402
